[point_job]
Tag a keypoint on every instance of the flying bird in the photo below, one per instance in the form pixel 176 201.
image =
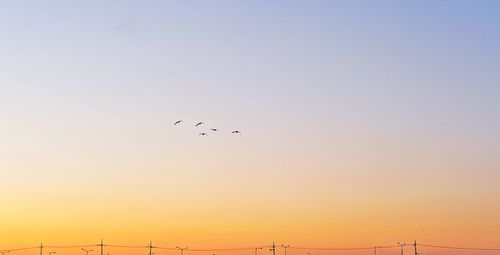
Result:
pixel 199 123
pixel 214 129
pixel 236 132
pixel 177 122
pixel 203 134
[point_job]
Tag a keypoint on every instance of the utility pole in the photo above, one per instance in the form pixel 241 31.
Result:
pixel 285 246
pixel 102 247
pixel 402 245
pixel 273 249
pixel 150 248
pixel 87 251
pixel 181 249
pixel 375 249
pixel 415 245
pixel 41 248
pixel 257 248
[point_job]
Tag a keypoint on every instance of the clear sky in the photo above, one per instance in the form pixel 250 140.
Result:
pixel 364 122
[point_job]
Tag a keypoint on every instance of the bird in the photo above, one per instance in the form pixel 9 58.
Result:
pixel 236 132
pixel 177 122
pixel 199 123
pixel 214 129
pixel 202 134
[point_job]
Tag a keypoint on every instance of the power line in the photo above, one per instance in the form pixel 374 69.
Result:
pixel 24 248
pixel 70 246
pixel 459 248
pixel 246 248
pixel 228 249
pixel 127 246
pixel 340 249
pixel 165 248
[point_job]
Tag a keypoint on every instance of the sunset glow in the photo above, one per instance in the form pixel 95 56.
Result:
pixel 362 124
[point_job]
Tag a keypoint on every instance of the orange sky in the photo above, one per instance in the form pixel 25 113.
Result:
pixel 363 123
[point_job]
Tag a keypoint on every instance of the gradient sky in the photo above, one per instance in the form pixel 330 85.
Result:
pixel 364 122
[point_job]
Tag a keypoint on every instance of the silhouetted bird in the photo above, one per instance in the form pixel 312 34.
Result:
pixel 177 122
pixel 236 132
pixel 202 134
pixel 214 129
pixel 199 123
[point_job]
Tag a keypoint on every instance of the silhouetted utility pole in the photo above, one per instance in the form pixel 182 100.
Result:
pixel 285 246
pixel 375 249
pixel 258 248
pixel 415 245
pixel 182 249
pixel 273 249
pixel 41 248
pixel 402 245
pixel 87 251
pixel 102 247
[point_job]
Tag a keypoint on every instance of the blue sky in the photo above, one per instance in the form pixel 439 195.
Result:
pixel 343 94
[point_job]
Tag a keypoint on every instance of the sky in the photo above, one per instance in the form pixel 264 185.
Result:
pixel 363 123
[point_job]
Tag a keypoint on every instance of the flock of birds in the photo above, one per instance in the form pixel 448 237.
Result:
pixel 204 133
